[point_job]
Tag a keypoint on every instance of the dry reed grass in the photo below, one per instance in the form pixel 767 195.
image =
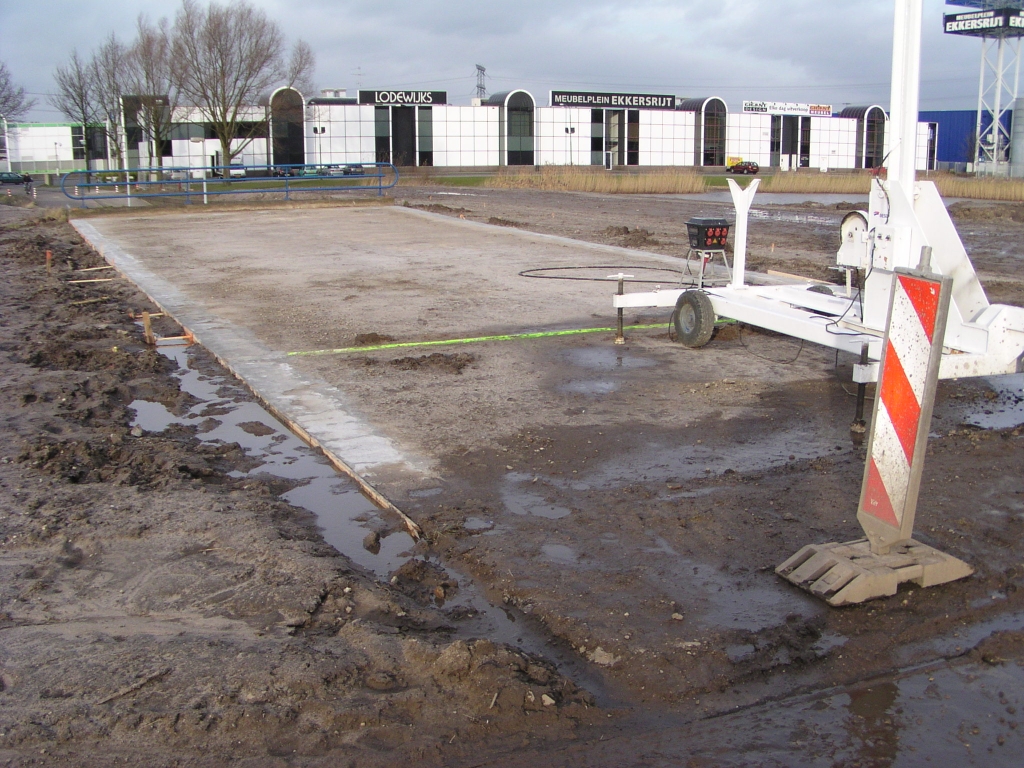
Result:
pixel 984 188
pixel 817 182
pixel 578 179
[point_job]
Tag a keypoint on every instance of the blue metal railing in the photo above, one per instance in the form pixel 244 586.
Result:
pixel 204 181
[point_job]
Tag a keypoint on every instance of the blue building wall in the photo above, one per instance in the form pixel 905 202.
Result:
pixel 956 132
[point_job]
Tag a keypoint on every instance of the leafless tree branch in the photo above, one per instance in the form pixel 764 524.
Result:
pixel 13 104
pixel 301 66
pixel 110 69
pixel 76 93
pixel 226 57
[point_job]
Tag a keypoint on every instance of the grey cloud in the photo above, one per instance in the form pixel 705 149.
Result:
pixel 773 49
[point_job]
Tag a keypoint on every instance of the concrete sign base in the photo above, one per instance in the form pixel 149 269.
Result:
pixel 843 574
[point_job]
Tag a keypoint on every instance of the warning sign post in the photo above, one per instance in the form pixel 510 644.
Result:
pixel 875 566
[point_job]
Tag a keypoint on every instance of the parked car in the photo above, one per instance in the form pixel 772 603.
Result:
pixel 747 166
pixel 6 177
pixel 235 171
pixel 349 169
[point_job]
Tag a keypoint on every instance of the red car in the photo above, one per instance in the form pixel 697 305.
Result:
pixel 747 166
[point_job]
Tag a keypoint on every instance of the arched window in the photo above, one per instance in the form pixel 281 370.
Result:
pixel 519 109
pixel 286 127
pixel 714 132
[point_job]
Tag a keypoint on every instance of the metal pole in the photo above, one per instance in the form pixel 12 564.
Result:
pixel 978 145
pixel 7 144
pixel 619 336
pixel 859 425
pixel 904 99
pixel 997 128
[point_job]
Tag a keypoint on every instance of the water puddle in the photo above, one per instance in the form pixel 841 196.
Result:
pixel 593 388
pixel 520 501
pixel 1005 410
pixel 606 359
pixel 680 463
pixel 559 553
pixel 965 716
pixel 344 515
pixel 724 601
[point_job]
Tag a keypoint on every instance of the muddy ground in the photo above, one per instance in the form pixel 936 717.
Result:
pixel 153 600
pixel 157 610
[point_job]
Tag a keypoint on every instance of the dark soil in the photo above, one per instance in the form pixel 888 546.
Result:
pixel 156 610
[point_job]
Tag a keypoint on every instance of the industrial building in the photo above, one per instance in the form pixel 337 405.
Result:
pixel 420 128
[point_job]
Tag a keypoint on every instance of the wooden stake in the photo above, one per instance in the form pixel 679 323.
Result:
pixel 93 269
pixel 94 280
pixel 49 263
pixel 135 686
pixel 147 329
pixel 88 301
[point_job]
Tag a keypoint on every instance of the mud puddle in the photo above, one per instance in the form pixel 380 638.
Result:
pixel 1005 409
pixel 758 453
pixel 965 715
pixel 344 515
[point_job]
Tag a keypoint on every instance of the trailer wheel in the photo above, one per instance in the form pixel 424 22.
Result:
pixel 695 319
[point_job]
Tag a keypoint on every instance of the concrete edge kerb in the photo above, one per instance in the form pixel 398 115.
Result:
pixel 309 407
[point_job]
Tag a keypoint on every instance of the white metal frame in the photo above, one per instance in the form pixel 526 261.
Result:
pixel 1000 68
pixel 904 217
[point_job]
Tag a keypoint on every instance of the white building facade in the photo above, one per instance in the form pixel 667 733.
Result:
pixel 419 128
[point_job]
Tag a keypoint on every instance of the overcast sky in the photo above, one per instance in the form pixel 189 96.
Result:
pixel 819 51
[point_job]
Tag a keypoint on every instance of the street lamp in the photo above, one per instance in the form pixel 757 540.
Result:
pixel 319 132
pixel 193 140
pixel 56 154
pixel 568 140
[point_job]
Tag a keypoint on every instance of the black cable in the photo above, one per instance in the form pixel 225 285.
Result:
pixel 768 359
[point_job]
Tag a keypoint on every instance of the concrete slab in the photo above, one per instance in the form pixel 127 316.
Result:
pixel 254 286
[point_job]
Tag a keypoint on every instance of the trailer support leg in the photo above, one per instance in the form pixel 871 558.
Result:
pixel 859 426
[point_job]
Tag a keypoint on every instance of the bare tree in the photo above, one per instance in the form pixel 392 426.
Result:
pixel 13 104
pixel 225 58
pixel 110 73
pixel 301 64
pixel 151 79
pixel 76 93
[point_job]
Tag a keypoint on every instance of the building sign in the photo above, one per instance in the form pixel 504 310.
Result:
pixel 612 100
pixel 402 98
pixel 787 108
pixel 995 23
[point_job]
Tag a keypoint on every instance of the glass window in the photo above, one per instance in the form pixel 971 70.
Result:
pixel 633 137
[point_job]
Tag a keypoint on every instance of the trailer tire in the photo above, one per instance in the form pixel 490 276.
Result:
pixel 694 319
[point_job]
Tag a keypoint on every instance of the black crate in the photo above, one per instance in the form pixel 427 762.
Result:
pixel 707 233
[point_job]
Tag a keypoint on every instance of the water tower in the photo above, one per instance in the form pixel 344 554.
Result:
pixel 1000 25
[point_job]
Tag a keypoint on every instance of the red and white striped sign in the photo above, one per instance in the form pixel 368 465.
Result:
pixel 903 407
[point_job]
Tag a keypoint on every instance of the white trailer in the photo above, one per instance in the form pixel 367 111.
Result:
pixel 906 226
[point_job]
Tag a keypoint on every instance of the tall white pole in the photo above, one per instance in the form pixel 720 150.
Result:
pixel 979 147
pixel 997 109
pixel 904 100
pixel 7 144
